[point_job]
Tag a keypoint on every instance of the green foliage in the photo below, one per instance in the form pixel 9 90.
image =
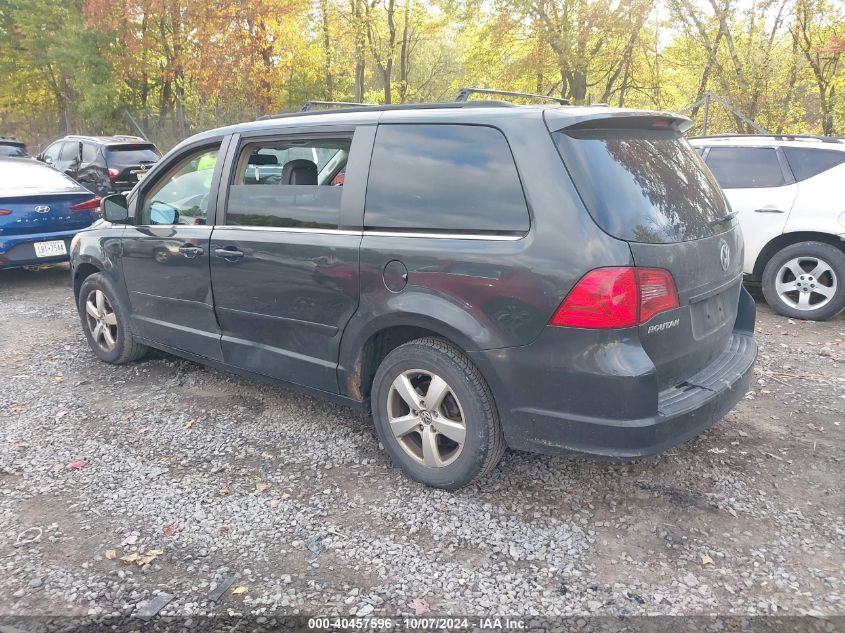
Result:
pixel 173 67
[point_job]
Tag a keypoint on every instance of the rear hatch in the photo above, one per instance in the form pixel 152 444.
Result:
pixel 37 199
pixel 128 162
pixel 643 183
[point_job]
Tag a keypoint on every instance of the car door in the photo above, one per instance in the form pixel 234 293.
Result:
pixel 87 171
pixel 761 190
pixel 166 253
pixel 284 261
pixel 68 162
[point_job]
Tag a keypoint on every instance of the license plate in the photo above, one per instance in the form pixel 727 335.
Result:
pixel 50 249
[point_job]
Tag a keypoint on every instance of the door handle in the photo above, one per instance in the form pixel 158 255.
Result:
pixel 190 251
pixel 228 253
pixel 769 210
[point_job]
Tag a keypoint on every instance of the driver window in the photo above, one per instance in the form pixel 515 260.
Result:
pixel 181 195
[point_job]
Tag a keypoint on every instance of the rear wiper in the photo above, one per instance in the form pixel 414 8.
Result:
pixel 729 216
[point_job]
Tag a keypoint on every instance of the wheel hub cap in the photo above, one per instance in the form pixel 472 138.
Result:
pixel 806 283
pixel 426 418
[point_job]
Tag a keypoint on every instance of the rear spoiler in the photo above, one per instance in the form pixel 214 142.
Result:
pixel 616 120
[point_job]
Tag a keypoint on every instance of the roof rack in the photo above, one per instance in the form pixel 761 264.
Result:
pixel 308 105
pixel 779 137
pixel 387 108
pixel 464 94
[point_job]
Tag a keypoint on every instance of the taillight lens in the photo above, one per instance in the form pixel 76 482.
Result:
pixel 5 212
pixel 657 292
pixel 89 205
pixel 113 173
pixel 617 297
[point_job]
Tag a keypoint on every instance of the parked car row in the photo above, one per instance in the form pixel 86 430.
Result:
pixel 44 204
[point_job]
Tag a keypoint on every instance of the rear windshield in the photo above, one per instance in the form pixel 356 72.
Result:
pixel 127 155
pixel 643 185
pixel 18 177
pixel 7 149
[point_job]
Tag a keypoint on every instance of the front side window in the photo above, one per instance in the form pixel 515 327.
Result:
pixel 289 183
pixel 444 177
pixel 180 195
pixel 51 154
pixel 807 162
pixel 745 167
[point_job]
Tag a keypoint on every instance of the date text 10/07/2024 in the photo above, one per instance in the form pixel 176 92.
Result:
pixel 492 623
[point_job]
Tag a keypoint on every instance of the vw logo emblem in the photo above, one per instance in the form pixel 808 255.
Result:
pixel 724 255
pixel 42 208
pixel 427 418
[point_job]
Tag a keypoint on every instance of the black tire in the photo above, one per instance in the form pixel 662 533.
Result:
pixel 831 255
pixel 125 349
pixel 484 442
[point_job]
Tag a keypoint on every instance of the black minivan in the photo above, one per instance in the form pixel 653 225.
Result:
pixel 478 275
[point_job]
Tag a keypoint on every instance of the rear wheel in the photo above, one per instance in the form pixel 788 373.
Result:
pixel 105 322
pixel 435 414
pixel 806 281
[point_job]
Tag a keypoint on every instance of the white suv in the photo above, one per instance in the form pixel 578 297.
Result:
pixel 789 196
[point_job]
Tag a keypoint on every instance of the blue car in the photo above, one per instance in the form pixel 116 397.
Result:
pixel 40 212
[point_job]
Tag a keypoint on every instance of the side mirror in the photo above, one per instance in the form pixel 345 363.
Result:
pixel 47 160
pixel 115 208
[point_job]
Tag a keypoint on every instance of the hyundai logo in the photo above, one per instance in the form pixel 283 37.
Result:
pixel 724 255
pixel 42 208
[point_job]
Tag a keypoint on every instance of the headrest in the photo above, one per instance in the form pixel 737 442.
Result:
pixel 299 172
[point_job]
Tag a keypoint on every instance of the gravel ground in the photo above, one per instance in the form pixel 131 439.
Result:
pixel 199 477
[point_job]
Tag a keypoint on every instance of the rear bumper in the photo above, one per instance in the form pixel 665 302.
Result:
pixel 19 250
pixel 602 398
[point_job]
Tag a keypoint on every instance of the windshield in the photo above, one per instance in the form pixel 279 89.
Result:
pixel 644 185
pixel 28 175
pixel 12 150
pixel 126 155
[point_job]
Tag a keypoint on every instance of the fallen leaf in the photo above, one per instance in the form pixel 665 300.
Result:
pixel 111 554
pixel 419 606
pixel 223 492
pixel 130 540
pixel 262 486
pixel 239 590
pixel 77 464
pixel 131 558
pixel 170 530
pixel 191 424
pixel 225 527
pixel 274 503
pixel 61 414
pixel 285 496
pixel 706 560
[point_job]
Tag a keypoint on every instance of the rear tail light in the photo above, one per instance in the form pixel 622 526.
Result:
pixel 113 173
pixel 5 212
pixel 617 297
pixel 89 205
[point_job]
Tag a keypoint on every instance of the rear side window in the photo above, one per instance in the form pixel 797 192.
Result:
pixel 291 183
pixel 444 177
pixel 806 162
pixel 129 155
pixel 89 153
pixel 643 185
pixel 745 167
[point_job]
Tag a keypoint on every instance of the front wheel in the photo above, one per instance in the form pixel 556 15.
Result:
pixel 435 415
pixel 105 322
pixel 806 281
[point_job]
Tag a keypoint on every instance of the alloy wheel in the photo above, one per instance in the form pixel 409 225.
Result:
pixel 806 283
pixel 426 418
pixel 102 321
